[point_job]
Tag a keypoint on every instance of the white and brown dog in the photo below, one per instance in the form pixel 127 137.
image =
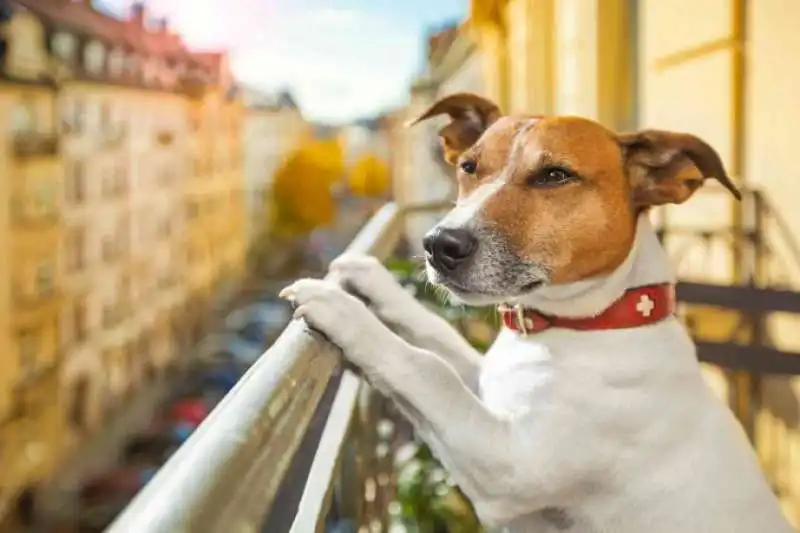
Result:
pixel 589 413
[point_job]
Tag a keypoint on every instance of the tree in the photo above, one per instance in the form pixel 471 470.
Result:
pixel 301 193
pixel 299 201
pixel 369 177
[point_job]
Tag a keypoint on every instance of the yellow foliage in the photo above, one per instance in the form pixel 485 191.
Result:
pixel 330 154
pixel 369 177
pixel 301 191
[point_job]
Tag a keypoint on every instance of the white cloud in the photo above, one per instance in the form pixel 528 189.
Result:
pixel 341 63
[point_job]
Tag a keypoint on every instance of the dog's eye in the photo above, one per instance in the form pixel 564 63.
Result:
pixel 551 177
pixel 469 166
pixel 693 184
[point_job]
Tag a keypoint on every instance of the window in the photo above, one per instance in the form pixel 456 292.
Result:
pixel 78 405
pixel 124 235
pixel 116 62
pixel 44 279
pixel 76 116
pixel 28 342
pixel 23 117
pixel 64 46
pixel 113 182
pixel 108 248
pixel 105 117
pixel 76 183
pixel 192 210
pixel 80 324
pixel 76 248
pixel 120 179
pixel 132 65
pixel 109 317
pixel 94 57
pixel 45 198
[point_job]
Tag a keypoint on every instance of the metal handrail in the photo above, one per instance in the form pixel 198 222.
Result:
pixel 225 477
pixel 313 504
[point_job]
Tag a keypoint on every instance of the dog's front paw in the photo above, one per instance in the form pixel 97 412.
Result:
pixel 369 279
pixel 342 318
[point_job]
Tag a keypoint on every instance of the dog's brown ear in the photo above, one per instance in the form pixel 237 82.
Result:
pixel 667 168
pixel 470 116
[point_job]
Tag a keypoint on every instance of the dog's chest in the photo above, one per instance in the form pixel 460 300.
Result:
pixel 515 375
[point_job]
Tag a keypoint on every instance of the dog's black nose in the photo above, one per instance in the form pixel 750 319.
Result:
pixel 449 248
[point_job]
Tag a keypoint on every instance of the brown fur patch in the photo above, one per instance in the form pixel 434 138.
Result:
pixel 579 230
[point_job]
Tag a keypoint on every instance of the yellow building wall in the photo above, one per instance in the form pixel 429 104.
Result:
pixel 31 297
pixel 772 87
pixel 670 62
pixel 216 232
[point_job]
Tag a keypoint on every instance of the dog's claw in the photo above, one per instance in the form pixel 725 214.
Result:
pixel 288 294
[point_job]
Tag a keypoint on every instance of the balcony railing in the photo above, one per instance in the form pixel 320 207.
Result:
pixel 226 476
pixel 35 300
pixel 165 138
pixel 31 144
pixel 236 470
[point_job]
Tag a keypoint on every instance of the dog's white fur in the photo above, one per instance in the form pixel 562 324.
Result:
pixel 594 432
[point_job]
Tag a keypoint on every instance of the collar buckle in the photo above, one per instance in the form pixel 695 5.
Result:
pixel 521 320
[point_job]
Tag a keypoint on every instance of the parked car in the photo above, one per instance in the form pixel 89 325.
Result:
pixel 96 517
pixel 228 348
pixel 150 447
pixel 191 411
pixel 118 483
pixel 261 321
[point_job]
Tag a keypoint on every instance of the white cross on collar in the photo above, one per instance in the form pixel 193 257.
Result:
pixel 645 306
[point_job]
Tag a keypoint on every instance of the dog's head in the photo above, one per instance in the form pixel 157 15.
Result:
pixel 550 200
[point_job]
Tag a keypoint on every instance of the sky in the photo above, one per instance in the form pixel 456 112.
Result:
pixel 342 59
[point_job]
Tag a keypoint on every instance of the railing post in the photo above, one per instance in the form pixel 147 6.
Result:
pixel 746 386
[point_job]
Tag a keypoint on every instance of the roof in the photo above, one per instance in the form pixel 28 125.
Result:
pixel 439 40
pixel 78 15
pixel 131 32
pixel 267 101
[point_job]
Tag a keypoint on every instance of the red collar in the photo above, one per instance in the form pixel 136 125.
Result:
pixel 639 306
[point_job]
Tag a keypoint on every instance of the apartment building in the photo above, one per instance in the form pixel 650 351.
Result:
pixel 453 65
pixel 32 293
pixel 214 191
pixel 273 127
pixel 101 151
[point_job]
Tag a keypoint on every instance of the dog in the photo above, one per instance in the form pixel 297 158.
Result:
pixel 589 413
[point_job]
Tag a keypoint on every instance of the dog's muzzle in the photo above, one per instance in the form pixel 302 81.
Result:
pixel 448 249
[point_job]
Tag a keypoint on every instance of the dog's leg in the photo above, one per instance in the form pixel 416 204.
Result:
pixel 508 465
pixel 418 325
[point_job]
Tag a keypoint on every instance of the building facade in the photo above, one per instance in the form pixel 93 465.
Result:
pixel 726 74
pixel 420 175
pixel 123 149
pixel 31 425
pixel 273 126
pixel 214 193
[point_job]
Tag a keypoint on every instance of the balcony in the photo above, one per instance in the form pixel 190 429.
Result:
pixel 30 220
pixel 34 144
pixel 193 88
pixel 165 138
pixel 30 301
pixel 314 440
